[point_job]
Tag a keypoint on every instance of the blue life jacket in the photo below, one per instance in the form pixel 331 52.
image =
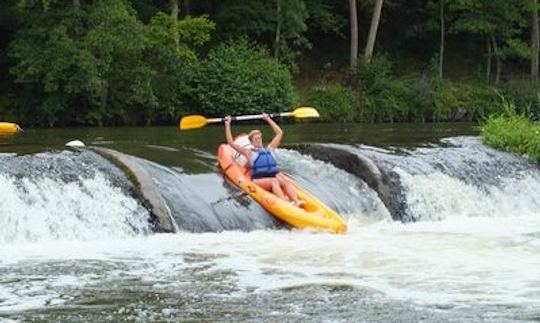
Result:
pixel 264 165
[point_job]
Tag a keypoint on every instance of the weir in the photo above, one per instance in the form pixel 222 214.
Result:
pixel 458 177
pixel 423 183
pixel 348 159
pixel 145 189
pixel 66 196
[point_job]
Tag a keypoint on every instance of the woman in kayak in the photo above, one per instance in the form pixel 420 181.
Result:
pixel 262 160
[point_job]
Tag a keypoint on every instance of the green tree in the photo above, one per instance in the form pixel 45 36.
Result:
pixel 240 77
pixel 499 22
pixel 85 74
pixel 174 65
pixel 51 63
pixel 281 24
pixel 375 19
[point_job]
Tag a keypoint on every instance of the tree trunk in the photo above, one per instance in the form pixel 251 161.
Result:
pixel 277 39
pixel 174 14
pixel 489 56
pixel 498 59
pixel 535 42
pixel 77 3
pixel 354 34
pixel 375 18
pixel 174 9
pixel 441 49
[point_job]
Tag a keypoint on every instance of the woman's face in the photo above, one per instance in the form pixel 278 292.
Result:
pixel 256 140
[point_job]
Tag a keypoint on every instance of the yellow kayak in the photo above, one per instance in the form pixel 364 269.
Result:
pixel 9 129
pixel 313 214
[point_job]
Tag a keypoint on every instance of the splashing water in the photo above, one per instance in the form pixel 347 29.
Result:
pixel 38 209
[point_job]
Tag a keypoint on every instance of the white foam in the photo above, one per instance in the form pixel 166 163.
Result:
pixel 46 209
pixel 474 246
pixel 436 262
pixel 438 196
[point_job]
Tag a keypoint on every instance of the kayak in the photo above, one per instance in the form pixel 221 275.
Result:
pixel 8 128
pixel 313 214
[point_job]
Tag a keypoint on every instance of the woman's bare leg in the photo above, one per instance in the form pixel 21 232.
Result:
pixel 270 184
pixel 276 189
pixel 289 189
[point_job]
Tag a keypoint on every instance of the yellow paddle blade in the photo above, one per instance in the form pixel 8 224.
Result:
pixel 8 128
pixel 305 112
pixel 193 122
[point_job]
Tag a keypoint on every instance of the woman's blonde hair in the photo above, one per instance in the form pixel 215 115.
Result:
pixel 253 133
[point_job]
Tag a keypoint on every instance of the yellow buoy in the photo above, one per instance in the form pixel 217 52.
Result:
pixel 9 129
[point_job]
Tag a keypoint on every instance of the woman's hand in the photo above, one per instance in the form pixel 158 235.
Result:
pixel 277 130
pixel 227 120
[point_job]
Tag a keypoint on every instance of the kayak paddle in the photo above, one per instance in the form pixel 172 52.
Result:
pixel 198 121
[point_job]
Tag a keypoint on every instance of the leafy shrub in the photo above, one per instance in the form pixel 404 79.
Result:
pixel 392 101
pixel 378 70
pixel 457 101
pixel 239 77
pixel 386 98
pixel 513 132
pixel 383 97
pixel 336 103
pixel 525 95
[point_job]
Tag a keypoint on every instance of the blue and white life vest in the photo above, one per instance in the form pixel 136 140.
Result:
pixel 263 163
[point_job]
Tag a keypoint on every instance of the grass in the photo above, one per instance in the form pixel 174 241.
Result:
pixel 514 133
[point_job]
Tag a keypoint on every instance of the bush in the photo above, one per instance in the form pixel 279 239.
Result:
pixel 391 101
pixel 386 98
pixel 378 70
pixel 525 95
pixel 513 132
pixel 455 101
pixel 335 103
pixel 240 78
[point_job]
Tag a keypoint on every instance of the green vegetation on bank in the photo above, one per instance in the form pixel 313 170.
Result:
pixel 377 94
pixel 513 132
pixel 128 62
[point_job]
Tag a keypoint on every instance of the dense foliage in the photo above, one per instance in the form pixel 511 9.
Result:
pixel 241 77
pixel 513 132
pixel 114 62
pixel 336 103
pixel 100 64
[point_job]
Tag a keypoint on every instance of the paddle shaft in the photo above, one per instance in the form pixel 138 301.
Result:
pixel 198 121
pixel 251 117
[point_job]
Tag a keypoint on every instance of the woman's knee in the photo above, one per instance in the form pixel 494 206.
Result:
pixel 275 183
pixel 285 182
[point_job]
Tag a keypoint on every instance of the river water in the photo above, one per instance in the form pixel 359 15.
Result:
pixel 76 246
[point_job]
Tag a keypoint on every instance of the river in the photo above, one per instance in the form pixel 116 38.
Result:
pixel 454 234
